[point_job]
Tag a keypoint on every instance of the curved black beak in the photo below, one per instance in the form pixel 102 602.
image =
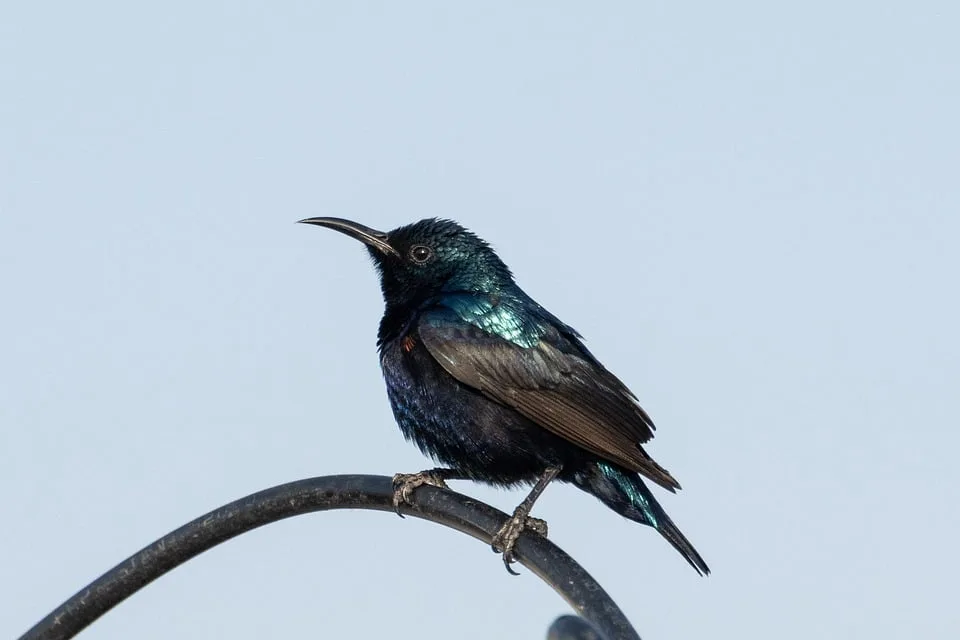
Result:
pixel 366 235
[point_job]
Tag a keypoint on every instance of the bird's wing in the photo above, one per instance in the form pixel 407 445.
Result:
pixel 550 383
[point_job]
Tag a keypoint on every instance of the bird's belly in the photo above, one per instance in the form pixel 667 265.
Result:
pixel 460 427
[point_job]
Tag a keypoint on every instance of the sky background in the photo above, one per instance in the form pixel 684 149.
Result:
pixel 751 212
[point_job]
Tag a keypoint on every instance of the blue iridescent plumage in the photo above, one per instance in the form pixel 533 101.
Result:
pixel 486 381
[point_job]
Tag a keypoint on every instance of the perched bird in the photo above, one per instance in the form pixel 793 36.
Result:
pixel 489 383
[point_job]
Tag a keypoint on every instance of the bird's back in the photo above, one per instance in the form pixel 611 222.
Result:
pixel 514 352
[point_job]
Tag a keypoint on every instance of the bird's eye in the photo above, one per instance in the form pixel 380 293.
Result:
pixel 421 254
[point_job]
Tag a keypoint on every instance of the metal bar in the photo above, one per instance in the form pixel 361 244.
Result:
pixel 445 507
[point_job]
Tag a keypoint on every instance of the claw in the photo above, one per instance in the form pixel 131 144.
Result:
pixel 508 559
pixel 404 485
pixel 506 538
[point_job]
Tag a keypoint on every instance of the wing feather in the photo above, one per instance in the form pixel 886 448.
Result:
pixel 555 383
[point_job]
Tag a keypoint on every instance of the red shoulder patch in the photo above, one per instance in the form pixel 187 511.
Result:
pixel 407 343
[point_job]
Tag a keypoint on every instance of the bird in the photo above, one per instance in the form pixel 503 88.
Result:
pixel 488 383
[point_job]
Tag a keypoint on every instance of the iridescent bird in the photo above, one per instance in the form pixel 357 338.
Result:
pixel 489 383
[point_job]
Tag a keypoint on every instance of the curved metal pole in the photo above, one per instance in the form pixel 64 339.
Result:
pixel 446 507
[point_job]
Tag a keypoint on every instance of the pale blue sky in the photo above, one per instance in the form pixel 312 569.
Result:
pixel 750 211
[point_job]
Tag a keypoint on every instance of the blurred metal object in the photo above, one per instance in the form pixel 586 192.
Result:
pixel 573 628
pixel 443 506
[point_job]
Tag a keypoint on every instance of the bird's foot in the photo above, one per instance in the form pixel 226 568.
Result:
pixel 404 485
pixel 506 538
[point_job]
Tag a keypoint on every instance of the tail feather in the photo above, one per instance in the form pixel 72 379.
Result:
pixel 624 492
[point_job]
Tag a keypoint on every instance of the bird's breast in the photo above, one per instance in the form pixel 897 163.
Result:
pixel 456 424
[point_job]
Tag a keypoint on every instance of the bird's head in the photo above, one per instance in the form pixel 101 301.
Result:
pixel 427 258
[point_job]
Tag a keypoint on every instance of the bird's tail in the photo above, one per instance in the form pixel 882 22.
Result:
pixel 624 492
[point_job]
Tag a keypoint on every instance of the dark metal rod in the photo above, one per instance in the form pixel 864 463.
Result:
pixel 446 507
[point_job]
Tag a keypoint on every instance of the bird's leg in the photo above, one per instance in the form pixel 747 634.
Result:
pixel 405 483
pixel 505 539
